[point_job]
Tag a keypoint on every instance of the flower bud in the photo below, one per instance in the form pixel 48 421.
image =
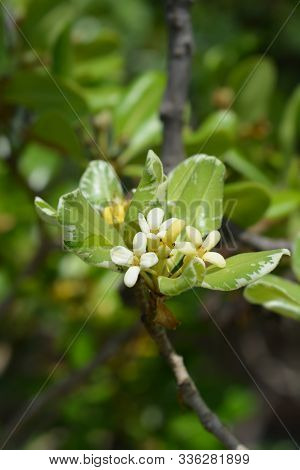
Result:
pixel 173 231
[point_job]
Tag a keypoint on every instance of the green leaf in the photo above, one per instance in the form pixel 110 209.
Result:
pixel 191 276
pixel 41 92
pixel 246 202
pixel 296 258
pixel 195 192
pixel 139 103
pixel 84 230
pixel 45 20
pixel 46 212
pixel 253 81
pixel 149 193
pixel 100 184
pixel 283 203
pixel 242 269
pixel 4 54
pixel 147 135
pixel 63 54
pixel 235 160
pixel 275 294
pixel 94 70
pixel 101 97
pixel 53 129
pixel 217 133
pixel 289 127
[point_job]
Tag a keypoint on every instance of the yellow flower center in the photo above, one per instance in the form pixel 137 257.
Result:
pixel 115 213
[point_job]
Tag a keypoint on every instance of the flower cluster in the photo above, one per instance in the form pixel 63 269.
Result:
pixel 197 248
pixel 157 241
pixel 97 218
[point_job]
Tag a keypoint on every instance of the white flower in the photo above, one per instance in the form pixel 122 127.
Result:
pixel 155 229
pixel 201 249
pixel 136 259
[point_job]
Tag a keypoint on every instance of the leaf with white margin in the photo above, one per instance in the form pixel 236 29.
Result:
pixel 46 212
pixel 100 184
pixel 97 256
pixel 149 193
pixel 296 258
pixel 275 294
pixel 191 276
pixel 242 269
pixel 84 229
pixel 195 192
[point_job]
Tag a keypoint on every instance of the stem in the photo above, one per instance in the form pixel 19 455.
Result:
pixel 179 61
pixel 186 386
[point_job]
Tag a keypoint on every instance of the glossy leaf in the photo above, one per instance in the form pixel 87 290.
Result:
pixel 239 163
pixel 149 193
pixel 84 230
pixel 94 70
pixel 283 203
pixel 146 135
pixel 253 81
pixel 275 294
pixel 296 258
pixel 100 184
pixel 191 276
pixel 139 103
pixel 46 212
pixel 289 126
pixel 195 192
pixel 217 133
pixel 245 203
pixel 40 92
pixel 54 130
pixel 242 269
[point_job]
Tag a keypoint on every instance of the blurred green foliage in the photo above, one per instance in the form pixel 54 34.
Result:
pixel 81 80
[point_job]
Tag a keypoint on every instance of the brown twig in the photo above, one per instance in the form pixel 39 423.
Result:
pixel 179 61
pixel 264 243
pixel 180 51
pixel 186 386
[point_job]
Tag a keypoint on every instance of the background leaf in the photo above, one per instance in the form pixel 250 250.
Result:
pixel 296 258
pixel 275 294
pixel 39 92
pixel 253 81
pixel 245 203
pixel 53 129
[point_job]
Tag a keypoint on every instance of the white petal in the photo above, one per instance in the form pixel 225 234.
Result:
pixel 166 224
pixel 211 240
pixel 131 276
pixel 121 256
pixel 215 258
pixel 161 234
pixel 194 235
pixel 139 243
pixel 148 260
pixel 155 218
pixel 143 223
pixel 186 248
